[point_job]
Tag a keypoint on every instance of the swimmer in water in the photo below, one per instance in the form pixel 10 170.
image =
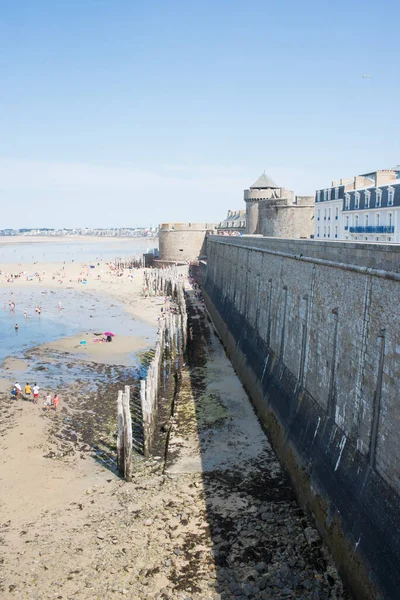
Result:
pixel 16 327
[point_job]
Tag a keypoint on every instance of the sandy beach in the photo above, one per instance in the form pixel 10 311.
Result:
pixel 210 516
pixel 40 470
pixel 124 286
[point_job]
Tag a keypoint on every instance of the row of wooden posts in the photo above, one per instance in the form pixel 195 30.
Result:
pixel 170 343
pixel 137 262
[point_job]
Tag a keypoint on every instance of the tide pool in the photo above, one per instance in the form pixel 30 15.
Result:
pixel 79 313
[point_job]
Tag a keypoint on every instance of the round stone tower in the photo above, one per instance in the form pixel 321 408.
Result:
pixel 262 189
pixel 183 241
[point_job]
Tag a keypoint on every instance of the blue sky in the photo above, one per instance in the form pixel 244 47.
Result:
pixel 118 112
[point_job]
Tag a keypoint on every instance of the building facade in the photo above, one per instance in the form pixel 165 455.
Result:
pixel 274 211
pixel 234 224
pixel 364 208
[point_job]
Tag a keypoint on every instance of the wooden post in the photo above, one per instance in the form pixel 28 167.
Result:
pixel 120 437
pixel 145 414
pixel 128 468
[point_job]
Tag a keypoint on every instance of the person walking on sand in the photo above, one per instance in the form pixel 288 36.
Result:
pixel 28 391
pixel 47 402
pixel 35 393
pixel 18 390
pixel 56 401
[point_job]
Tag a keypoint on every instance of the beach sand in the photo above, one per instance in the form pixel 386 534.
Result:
pixel 53 276
pixel 118 352
pixel 37 474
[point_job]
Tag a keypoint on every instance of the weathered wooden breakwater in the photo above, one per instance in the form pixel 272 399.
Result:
pixel 134 262
pixel 170 343
pixel 169 349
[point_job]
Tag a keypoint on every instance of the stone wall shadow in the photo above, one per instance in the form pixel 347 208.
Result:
pixel 264 545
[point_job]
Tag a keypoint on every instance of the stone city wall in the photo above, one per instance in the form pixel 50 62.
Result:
pixel 313 331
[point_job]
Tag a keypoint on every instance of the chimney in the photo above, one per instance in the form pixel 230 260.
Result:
pixel 383 177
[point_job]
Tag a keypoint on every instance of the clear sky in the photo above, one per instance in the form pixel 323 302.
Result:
pixel 119 112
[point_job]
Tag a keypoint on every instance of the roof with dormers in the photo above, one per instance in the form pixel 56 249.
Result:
pixel 264 182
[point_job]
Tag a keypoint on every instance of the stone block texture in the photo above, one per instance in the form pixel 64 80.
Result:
pixel 183 241
pixel 313 330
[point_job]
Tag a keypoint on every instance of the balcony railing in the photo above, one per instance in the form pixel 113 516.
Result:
pixel 372 229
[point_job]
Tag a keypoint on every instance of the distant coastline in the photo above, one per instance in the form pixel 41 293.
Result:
pixel 29 239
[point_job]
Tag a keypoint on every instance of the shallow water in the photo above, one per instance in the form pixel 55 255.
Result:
pixel 77 251
pixel 79 313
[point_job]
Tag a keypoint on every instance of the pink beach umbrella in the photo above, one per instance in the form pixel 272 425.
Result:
pixel 109 333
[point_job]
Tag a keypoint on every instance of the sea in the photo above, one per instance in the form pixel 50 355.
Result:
pixel 80 312
pixel 76 249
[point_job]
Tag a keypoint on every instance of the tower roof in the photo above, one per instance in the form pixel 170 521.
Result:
pixel 264 182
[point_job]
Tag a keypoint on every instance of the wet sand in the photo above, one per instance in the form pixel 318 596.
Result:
pixel 118 352
pixel 57 276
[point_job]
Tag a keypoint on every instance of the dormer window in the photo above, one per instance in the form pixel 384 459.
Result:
pixel 336 193
pixel 357 200
pixel 318 196
pixel 390 196
pixel 325 195
pixel 329 193
pixel 347 201
pixel 367 198
pixel 378 201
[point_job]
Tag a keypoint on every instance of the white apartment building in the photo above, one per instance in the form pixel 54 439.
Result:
pixel 365 208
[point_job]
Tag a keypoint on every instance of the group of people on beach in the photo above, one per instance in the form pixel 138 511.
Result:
pixel 38 311
pixel 31 393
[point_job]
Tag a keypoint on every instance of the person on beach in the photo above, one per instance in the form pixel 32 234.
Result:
pixel 47 402
pixel 56 401
pixel 18 390
pixel 28 390
pixel 35 393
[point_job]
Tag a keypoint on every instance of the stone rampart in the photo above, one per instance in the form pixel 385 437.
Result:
pixel 183 241
pixel 313 331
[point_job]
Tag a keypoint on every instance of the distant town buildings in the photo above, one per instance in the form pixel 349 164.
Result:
pixel 86 231
pixel 274 211
pixel 365 207
pixel 234 224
